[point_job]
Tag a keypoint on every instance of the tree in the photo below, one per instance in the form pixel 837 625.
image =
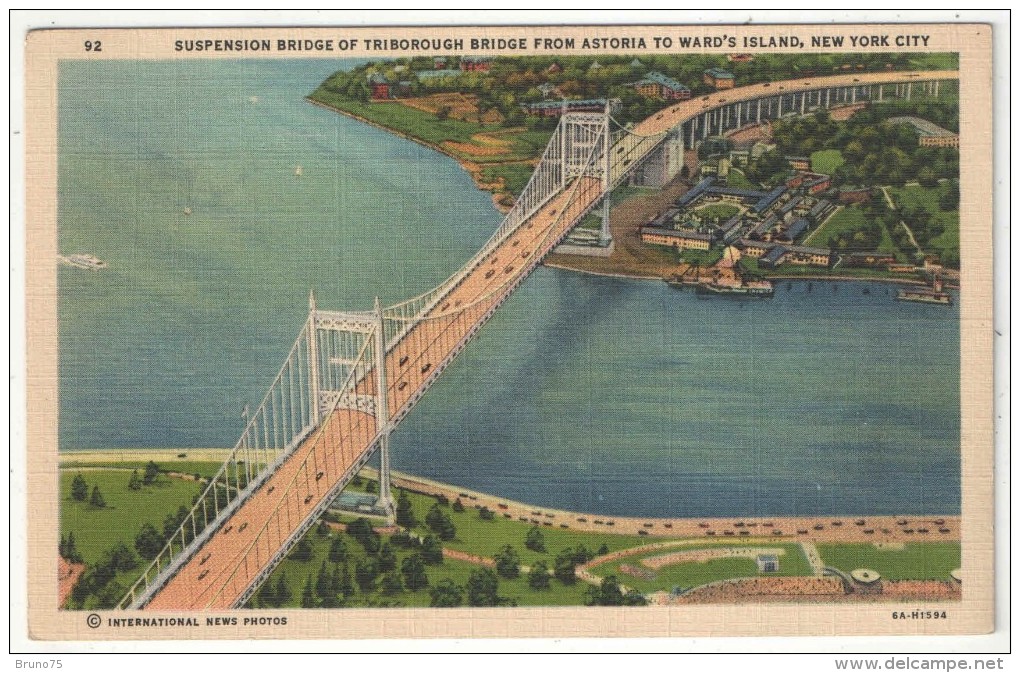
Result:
pixel 446 594
pixel 634 598
pixel 486 514
pixel 370 487
pixel 439 522
pixel 603 550
pixel 135 482
pixel 307 595
pixel 361 530
pixel 951 199
pixel 458 506
pixel 387 558
pixel 173 521
pixel 337 550
pixel 149 542
pixel 69 549
pixel 341 581
pixel 582 555
pixel 927 177
pixel 606 594
pixel 303 551
pixel 413 569
pixel 96 499
pixel 538 578
pixel 79 488
pixel 283 591
pixel 564 566
pixel 323 582
pixel 109 596
pixel 482 588
pixel 365 572
pixel 508 564
pixel 405 512
pixel 431 550
pixel 151 473
pixel 119 557
pixel 535 541
pixel 323 530
pixel 391 584
pixel 267 595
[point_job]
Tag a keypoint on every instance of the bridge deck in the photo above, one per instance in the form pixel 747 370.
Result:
pixel 687 110
pixel 223 568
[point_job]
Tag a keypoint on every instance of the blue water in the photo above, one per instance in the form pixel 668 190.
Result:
pixel 588 393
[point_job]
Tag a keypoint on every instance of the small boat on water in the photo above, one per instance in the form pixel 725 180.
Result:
pixel 299 171
pixel 747 288
pixel 83 261
pixel 187 211
pixel 926 295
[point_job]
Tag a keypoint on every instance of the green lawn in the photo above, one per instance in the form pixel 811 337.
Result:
pixel 917 561
pixel 457 571
pixel 427 127
pixel 826 161
pixel 946 244
pixel 97 530
pixel 935 61
pixel 846 220
pixel 515 176
pixel 717 212
pixel 702 257
pixel 738 180
pixel 689 575
pixel 486 538
pixel 201 467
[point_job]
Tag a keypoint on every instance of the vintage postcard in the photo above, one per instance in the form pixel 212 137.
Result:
pixel 521 331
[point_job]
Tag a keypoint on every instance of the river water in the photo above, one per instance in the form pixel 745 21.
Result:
pixel 587 393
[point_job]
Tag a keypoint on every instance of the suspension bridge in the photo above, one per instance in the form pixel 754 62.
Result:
pixel 351 377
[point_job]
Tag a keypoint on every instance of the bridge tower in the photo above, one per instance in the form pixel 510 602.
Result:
pixel 605 237
pixel 335 340
pixel 382 413
pixel 582 134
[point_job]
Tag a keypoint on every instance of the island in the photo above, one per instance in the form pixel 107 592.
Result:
pixel 855 190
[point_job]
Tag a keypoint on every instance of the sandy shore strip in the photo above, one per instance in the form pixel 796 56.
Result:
pixel 166 456
pixel 844 528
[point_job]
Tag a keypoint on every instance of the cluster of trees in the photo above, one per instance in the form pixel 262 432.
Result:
pixel 875 152
pixel 440 523
pixel 80 492
pixel 149 477
pixel 343 574
pixel 97 588
pixel 513 81
pixel 480 590
pixel 876 215
pixel 610 593
pixel 69 549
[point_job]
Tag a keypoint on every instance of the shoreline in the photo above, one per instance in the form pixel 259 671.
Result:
pixel 885 528
pixel 463 163
pixel 482 186
pixel 787 277
pixel 604 274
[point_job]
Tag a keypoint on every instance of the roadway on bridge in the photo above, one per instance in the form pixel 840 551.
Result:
pixel 684 112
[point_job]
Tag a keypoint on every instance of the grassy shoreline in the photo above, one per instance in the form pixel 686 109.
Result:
pixel 621 525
